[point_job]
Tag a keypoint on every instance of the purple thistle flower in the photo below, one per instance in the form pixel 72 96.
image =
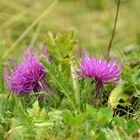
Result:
pixel 101 70
pixel 28 76
pixel 86 66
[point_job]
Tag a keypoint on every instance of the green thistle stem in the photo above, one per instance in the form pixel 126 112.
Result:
pixel 98 97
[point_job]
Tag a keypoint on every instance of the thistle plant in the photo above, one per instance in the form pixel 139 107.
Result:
pixel 71 113
pixel 102 71
pixel 28 76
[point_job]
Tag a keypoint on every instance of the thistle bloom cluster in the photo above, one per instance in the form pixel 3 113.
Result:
pixel 28 76
pixel 102 71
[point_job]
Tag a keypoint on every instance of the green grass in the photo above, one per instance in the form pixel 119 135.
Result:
pixel 93 27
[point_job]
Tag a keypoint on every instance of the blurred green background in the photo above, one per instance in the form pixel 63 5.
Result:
pixel 92 20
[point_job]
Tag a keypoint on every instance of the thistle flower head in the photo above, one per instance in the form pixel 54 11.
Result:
pixel 106 72
pixel 101 70
pixel 25 77
pixel 86 65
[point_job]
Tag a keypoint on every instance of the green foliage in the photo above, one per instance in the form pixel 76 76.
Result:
pixel 70 113
pixel 120 121
pixel 60 45
pixel 35 123
pixel 132 126
pixel 57 76
pixel 118 97
pixel 125 96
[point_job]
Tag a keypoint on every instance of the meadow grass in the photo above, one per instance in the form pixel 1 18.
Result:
pixel 93 27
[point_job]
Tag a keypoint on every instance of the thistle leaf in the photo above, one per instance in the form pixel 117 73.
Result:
pixel 118 97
